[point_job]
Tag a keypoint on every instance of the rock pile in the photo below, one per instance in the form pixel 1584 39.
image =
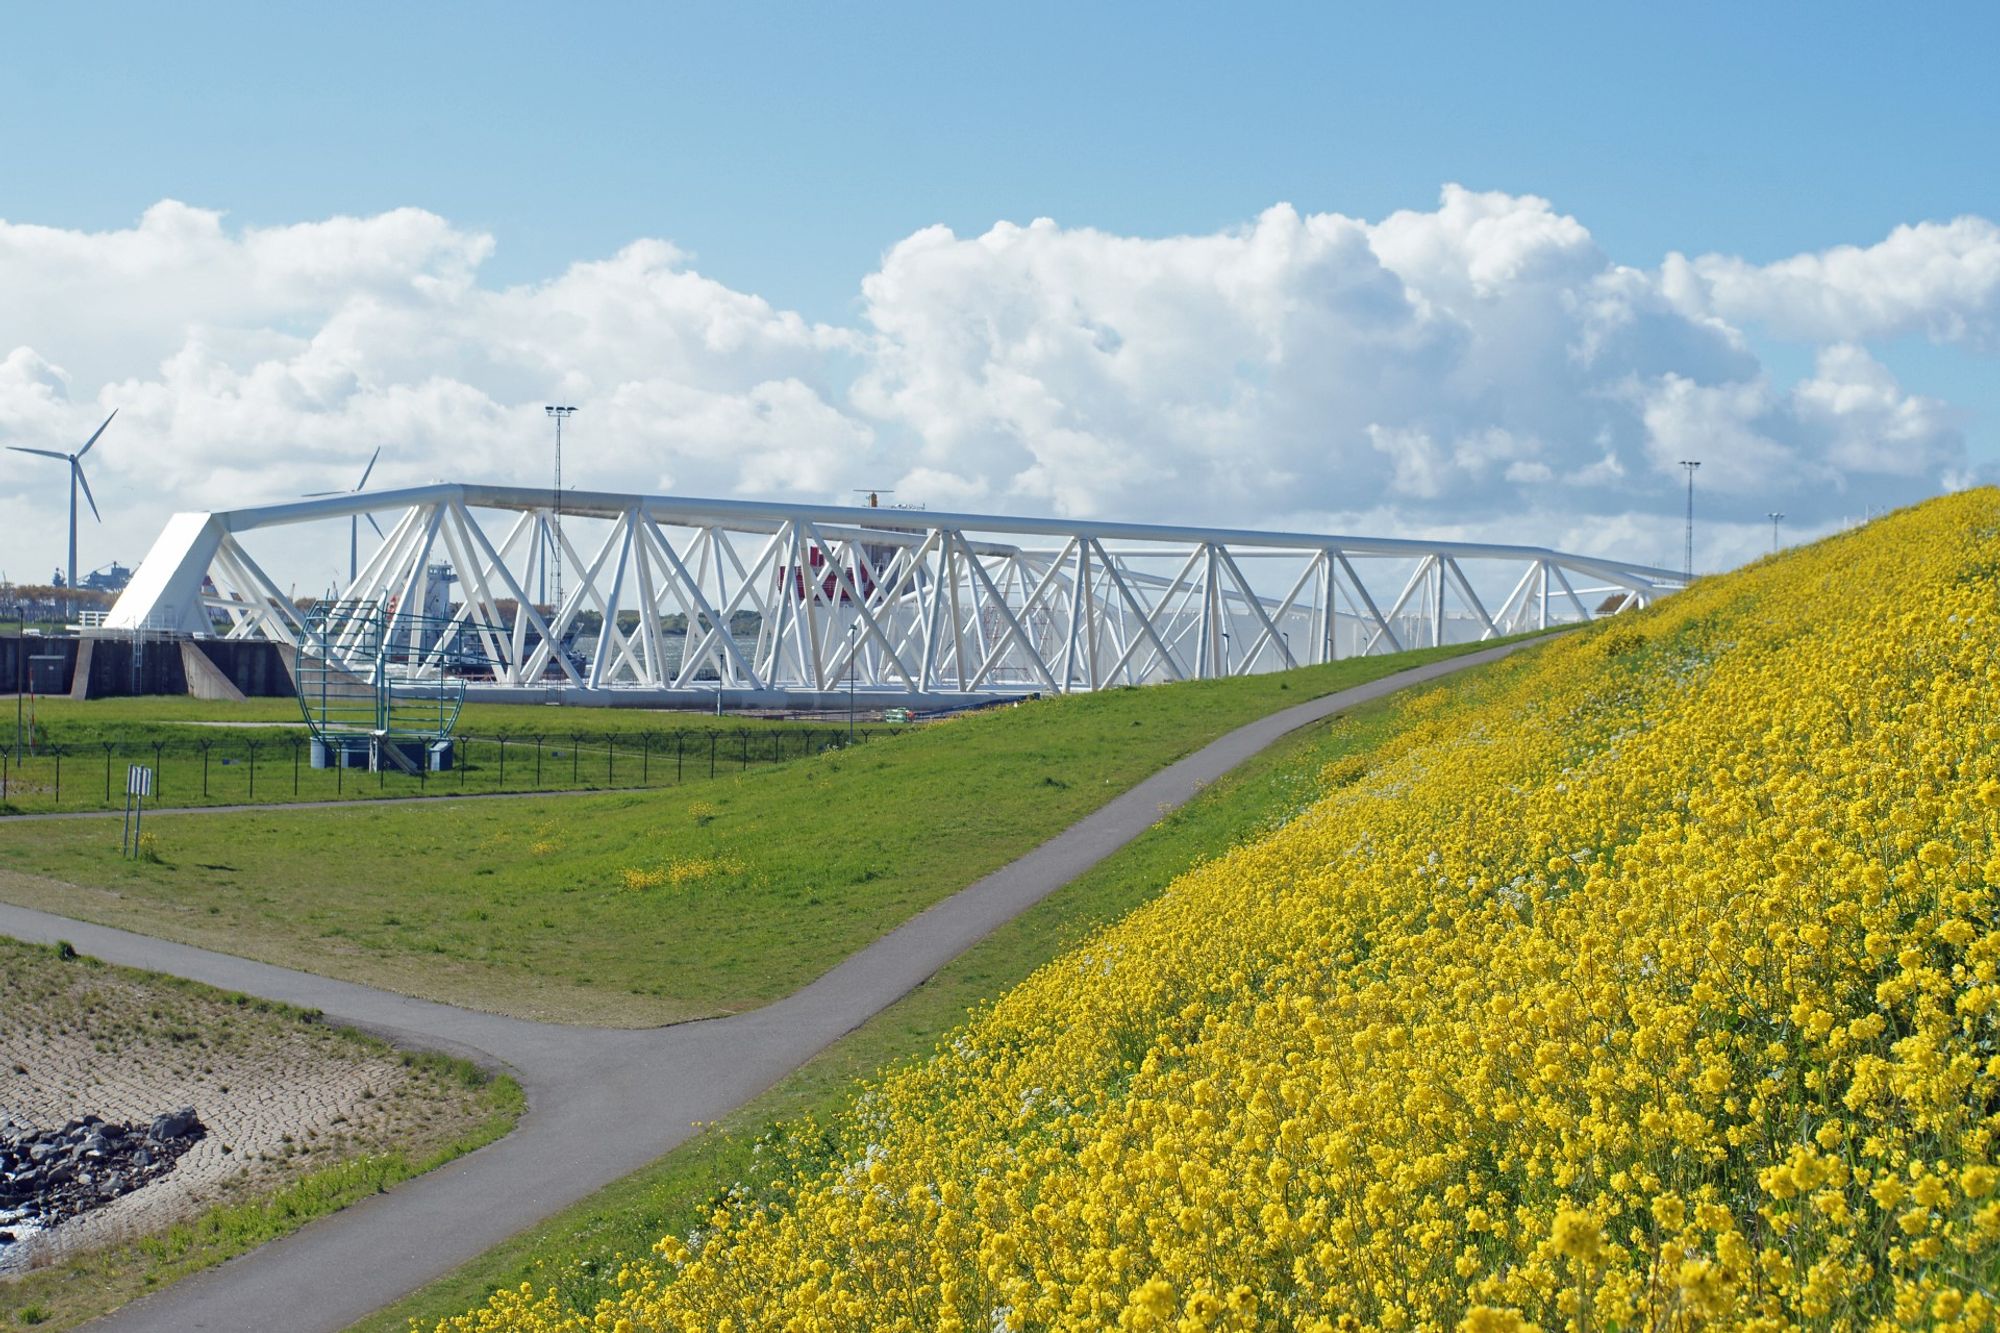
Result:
pixel 49 1176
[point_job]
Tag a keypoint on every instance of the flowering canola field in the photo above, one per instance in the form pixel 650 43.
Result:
pixel 1658 988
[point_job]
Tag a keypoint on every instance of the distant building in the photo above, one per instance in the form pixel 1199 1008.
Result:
pixel 107 578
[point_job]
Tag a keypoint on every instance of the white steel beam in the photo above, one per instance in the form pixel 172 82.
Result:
pixel 905 603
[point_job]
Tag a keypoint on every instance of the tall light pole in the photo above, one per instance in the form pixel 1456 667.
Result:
pixel 1775 518
pixel 20 676
pixel 561 414
pixel 1687 553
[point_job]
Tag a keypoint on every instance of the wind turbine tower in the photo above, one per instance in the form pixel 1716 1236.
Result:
pixel 354 520
pixel 76 479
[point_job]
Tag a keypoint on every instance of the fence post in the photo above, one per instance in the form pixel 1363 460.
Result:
pixel 6 762
pixel 502 783
pixel 251 746
pixel 459 756
pixel 711 752
pixel 158 748
pixel 295 765
pixel 645 757
pixel 107 771
pixel 745 737
pixel 575 757
pixel 205 745
pixel 610 757
pixel 538 763
pixel 680 746
pixel 56 750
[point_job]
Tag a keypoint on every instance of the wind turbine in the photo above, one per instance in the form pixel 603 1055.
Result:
pixel 76 479
pixel 354 520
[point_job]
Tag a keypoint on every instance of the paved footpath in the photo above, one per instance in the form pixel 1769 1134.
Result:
pixel 604 1102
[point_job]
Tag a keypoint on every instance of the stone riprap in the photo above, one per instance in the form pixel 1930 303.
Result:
pixel 49 1176
pixel 279 1095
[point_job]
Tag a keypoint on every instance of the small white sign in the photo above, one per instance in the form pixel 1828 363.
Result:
pixel 139 781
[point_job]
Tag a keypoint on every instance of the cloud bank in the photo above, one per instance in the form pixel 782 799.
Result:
pixel 1480 368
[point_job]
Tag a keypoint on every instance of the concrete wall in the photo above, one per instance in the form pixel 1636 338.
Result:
pixel 255 666
pixel 114 667
pixel 13 651
pixel 107 668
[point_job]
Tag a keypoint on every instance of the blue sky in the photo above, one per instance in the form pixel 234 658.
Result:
pixel 788 145
pixel 790 153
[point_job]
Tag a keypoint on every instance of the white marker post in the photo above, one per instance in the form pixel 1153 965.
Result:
pixel 138 786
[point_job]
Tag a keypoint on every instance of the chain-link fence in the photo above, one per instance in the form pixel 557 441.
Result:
pixel 247 769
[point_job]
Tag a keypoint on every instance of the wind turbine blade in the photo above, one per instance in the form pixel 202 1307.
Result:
pixel 377 526
pixel 94 434
pixel 45 453
pixel 86 491
pixel 363 483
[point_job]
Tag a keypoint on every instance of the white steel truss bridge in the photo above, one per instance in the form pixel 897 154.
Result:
pixel 681 602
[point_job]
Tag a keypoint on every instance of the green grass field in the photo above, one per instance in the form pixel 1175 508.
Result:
pixel 578 1251
pixel 644 907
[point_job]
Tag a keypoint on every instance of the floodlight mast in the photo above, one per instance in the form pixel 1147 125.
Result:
pixel 20 672
pixel 1687 553
pixel 561 414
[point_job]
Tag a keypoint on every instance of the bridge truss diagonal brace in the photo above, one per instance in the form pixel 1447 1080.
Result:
pixel 902 603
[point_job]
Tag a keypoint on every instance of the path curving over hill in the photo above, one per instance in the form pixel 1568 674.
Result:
pixel 604 1102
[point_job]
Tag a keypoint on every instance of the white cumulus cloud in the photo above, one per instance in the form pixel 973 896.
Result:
pixel 1937 279
pixel 1478 368
pixel 1483 362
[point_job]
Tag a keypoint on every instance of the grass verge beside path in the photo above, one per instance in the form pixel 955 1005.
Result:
pixel 579 1251
pixel 647 907
pixel 78 1035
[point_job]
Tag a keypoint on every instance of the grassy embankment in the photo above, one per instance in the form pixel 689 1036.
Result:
pixel 432 1109
pixel 644 907
pixel 1660 991
pixel 258 752
pixel 578 1250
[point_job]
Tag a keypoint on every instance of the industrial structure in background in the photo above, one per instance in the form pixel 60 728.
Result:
pixel 680 602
